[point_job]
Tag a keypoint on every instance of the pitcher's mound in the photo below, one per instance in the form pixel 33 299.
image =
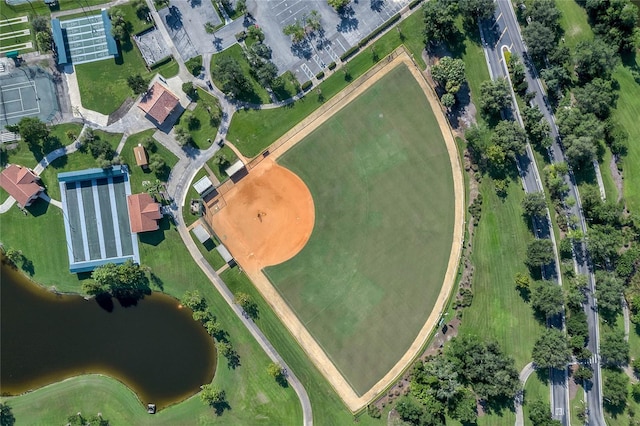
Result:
pixel 268 218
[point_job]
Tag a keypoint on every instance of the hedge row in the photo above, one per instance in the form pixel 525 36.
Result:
pixel 307 85
pixel 395 18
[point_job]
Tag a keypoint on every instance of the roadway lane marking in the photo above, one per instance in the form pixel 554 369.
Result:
pixel 502 34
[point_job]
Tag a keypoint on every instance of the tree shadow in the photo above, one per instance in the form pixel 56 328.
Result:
pixel 105 301
pixel 220 407
pixel 302 49
pixel 348 21
pixel 233 360
pixel 156 281
pixel 27 267
pixel 38 208
pixel 498 406
pixel 376 5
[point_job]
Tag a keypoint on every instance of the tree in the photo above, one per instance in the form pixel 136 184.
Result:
pixel 230 73
pixel 449 73
pixel 614 349
pixel 484 367
pixel 275 370
pixel 44 40
pixel 494 96
pixel 212 395
pixel 241 7
pixel 583 373
pixel 213 327
pixel 6 416
pixel 609 293
pixel 119 26
pixel 409 410
pixel 190 90
pixel 615 388
pixel 137 83
pixel 509 136
pixel 93 288
pixel 142 10
pixel 556 78
pixel 580 151
pixel 448 100
pixel 183 137
pixel 478 9
pixel 14 256
pixel 539 253
pixel 616 22
pixel 464 407
pixel 603 243
pixel 534 204
pixel 547 298
pixel 295 31
pixel 39 23
pixel 551 350
pixel 225 348
pixel 546 13
pixel 597 97
pixel 439 20
pixel 536 127
pixel 190 120
pixel 338 4
pixel 248 305
pixel 266 72
pixel 312 22
pixel 157 164
pixel 523 281
pixel 127 280
pixel 436 377
pixel 541 40
pixel 540 414
pixel 33 131
pixel 594 58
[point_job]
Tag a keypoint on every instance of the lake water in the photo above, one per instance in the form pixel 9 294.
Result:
pixel 155 348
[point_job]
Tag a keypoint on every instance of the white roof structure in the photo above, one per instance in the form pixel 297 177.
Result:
pixel 224 253
pixel 203 185
pixel 201 233
pixel 238 165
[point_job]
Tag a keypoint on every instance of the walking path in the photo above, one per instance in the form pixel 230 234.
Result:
pixel 524 376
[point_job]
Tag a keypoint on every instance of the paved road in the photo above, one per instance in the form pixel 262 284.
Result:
pixel 524 376
pixel 506 20
pixel 499 34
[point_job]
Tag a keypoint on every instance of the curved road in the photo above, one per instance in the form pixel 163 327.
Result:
pixel 524 376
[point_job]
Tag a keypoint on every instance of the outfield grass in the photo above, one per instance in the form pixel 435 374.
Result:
pixel 257 94
pixel 368 278
pixel 627 113
pixel 253 130
pixel 136 173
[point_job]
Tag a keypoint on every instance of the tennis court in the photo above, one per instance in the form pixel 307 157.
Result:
pixel 84 39
pixel 27 92
pixel 96 218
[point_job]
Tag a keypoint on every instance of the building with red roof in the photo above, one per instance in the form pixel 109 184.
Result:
pixel 158 102
pixel 144 213
pixel 21 183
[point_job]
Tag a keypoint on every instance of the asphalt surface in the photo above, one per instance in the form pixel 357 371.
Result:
pixel 502 33
pixel 505 31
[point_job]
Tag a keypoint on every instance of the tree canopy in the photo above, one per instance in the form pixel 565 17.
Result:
pixel 614 349
pixel 494 96
pixel 539 253
pixel 449 73
pixel 125 281
pixel 551 350
pixel 439 20
pixel 534 204
pixel 231 75
pixel 33 131
pixel 547 298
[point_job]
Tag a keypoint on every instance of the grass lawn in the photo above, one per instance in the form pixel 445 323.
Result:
pixel 76 161
pixel 194 65
pixel 129 12
pixel 253 130
pixel 535 389
pixel 362 284
pixel 288 87
pixel 609 185
pixel 217 168
pixel 191 194
pixel 257 94
pixel 574 23
pixel 39 8
pixel 17 39
pixel 498 311
pixel 204 133
pixel 627 113
pixel 136 173
pixel 252 394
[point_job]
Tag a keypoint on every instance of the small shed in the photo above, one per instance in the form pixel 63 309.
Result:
pixel 234 168
pixel 203 186
pixel 141 156
pixel 201 233
pixel 224 253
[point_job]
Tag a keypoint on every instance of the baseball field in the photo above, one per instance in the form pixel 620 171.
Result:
pixel 382 186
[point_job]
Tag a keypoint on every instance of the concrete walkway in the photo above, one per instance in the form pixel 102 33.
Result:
pixel 524 376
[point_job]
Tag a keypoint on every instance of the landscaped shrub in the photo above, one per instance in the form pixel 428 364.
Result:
pixel 320 75
pixel 307 85
pixel 332 65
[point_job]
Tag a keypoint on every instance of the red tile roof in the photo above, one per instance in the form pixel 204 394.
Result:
pixel 144 213
pixel 158 102
pixel 21 183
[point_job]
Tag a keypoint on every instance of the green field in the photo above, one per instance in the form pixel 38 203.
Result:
pixel 574 23
pixel 369 276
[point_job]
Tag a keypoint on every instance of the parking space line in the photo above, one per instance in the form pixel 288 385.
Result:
pixel 307 71
pixel 288 7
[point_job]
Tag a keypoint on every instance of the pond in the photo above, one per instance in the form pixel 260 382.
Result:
pixel 155 347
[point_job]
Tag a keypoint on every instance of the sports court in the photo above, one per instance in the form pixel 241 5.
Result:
pixel 27 92
pixel 96 218
pixel 84 39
